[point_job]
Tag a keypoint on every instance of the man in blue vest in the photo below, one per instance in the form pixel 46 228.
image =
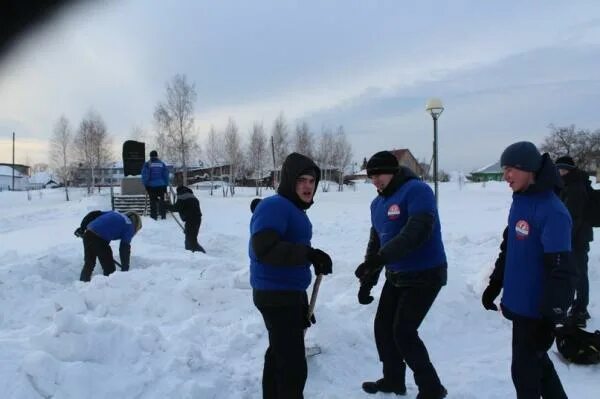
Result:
pixel 281 253
pixel 155 177
pixel 97 235
pixel 533 269
pixel 405 238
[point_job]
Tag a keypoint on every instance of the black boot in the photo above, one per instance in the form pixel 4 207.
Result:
pixel 578 319
pixel 437 394
pixel 382 385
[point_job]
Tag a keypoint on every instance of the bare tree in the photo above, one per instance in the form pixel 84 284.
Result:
pixel 213 149
pixel 92 144
pixel 257 154
pixel 342 155
pixel 175 123
pixel 279 142
pixel 304 140
pixel 582 145
pixel 60 150
pixel 233 152
pixel 324 157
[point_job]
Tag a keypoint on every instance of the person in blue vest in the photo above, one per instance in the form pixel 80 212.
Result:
pixel 281 253
pixel 155 177
pixel 575 195
pixel 406 239
pixel 97 235
pixel 533 269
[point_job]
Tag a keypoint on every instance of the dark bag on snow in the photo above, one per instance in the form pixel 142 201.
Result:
pixel 578 346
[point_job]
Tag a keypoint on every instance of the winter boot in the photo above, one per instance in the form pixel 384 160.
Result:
pixel 438 394
pixel 382 385
pixel 578 318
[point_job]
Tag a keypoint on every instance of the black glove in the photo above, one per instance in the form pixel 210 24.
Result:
pixel 79 232
pixel 368 271
pixel 320 261
pixel 544 335
pixel 309 321
pixel 364 294
pixel 490 294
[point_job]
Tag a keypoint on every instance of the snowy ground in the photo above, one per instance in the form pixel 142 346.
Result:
pixel 182 325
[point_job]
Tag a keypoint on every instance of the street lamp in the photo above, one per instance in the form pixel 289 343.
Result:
pixel 435 108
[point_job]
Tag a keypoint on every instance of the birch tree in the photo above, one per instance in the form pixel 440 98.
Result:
pixel 174 120
pixel 232 152
pixel 92 144
pixel 304 140
pixel 257 154
pixel 60 152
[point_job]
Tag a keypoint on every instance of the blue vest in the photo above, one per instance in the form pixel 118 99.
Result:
pixel 538 223
pixel 155 173
pixel 389 215
pixel 113 226
pixel 292 224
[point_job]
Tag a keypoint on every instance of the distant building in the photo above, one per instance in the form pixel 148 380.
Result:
pixel 406 158
pixel 21 173
pixel 491 172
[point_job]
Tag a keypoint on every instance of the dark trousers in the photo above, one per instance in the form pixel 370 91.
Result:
pixel 399 314
pixel 96 247
pixel 532 371
pixel 582 285
pixel 156 196
pixel 285 371
pixel 191 235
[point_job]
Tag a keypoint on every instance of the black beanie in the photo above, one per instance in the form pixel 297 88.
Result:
pixel 383 162
pixel 153 154
pixel 522 155
pixel 565 162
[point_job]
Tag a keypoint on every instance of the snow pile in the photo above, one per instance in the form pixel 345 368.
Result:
pixel 182 325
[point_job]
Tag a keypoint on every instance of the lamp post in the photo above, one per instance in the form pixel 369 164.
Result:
pixel 435 108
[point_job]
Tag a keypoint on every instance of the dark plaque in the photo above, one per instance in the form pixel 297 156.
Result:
pixel 134 153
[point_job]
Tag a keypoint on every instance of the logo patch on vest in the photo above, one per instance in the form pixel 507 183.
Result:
pixel 393 212
pixel 522 229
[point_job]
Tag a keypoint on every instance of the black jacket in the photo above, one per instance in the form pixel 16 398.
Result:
pixel 575 196
pixel 187 205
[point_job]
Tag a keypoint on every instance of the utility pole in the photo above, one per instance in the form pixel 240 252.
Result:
pixel 13 166
pixel 274 166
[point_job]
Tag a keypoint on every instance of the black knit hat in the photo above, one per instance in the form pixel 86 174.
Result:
pixel 383 162
pixel 522 155
pixel 153 154
pixel 565 162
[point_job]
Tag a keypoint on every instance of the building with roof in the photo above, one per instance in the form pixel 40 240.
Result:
pixel 492 172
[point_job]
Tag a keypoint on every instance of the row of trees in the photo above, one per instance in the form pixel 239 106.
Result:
pixel 177 142
pixel 582 145
pixel 177 139
pixel 88 147
pixel 261 154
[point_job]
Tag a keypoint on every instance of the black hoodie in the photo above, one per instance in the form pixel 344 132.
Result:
pixel 293 167
pixel 575 196
pixel 187 205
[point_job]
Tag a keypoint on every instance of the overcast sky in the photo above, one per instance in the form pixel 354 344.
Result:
pixel 504 70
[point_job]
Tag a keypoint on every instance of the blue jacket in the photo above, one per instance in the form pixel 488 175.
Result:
pixel 155 173
pixel 280 215
pixel 389 215
pixel 113 225
pixel 538 225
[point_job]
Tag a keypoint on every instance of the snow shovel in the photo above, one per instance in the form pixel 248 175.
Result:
pixel 313 350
